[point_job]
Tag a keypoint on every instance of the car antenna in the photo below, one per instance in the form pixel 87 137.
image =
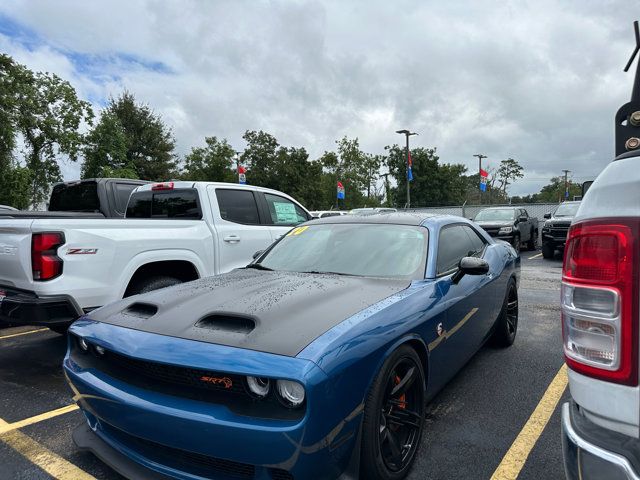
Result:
pixel 628 116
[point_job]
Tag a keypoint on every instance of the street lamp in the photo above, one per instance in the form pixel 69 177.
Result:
pixel 407 134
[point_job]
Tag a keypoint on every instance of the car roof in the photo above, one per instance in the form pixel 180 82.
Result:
pixel 393 218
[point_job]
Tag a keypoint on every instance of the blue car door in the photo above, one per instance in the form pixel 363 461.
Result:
pixel 470 302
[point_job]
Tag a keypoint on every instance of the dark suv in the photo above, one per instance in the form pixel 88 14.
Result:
pixel 556 226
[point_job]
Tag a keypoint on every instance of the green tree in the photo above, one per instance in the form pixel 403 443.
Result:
pixel 212 163
pixel 105 153
pixel 554 191
pixel 15 185
pixel 149 142
pixel 48 114
pixel 348 166
pixel 433 183
pixel 508 171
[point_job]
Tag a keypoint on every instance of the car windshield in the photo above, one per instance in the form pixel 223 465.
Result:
pixel 496 214
pixel 369 250
pixel 567 210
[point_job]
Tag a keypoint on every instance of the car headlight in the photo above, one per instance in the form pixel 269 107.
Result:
pixel 292 393
pixel 259 386
pixel 505 230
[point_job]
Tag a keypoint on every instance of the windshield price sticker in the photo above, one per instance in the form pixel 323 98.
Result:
pixel 297 231
pixel 285 212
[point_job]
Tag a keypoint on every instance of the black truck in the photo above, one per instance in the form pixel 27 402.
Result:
pixel 511 224
pixel 90 198
pixel 555 228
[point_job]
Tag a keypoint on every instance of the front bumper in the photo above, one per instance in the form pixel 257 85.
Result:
pixel 592 452
pixel 178 437
pixel 22 307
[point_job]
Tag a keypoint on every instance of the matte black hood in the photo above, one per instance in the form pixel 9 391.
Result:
pixel 276 312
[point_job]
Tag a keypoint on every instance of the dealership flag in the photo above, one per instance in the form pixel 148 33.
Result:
pixel 242 177
pixel 483 180
pixel 340 191
pixel 409 165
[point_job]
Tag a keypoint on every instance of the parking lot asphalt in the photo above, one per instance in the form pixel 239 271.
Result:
pixel 498 418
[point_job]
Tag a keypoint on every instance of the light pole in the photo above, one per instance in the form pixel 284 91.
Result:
pixel 566 185
pixel 407 134
pixel 480 157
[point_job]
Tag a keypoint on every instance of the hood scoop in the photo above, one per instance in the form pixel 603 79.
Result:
pixel 140 310
pixel 228 323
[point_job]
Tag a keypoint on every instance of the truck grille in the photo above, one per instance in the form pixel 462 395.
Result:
pixel 559 233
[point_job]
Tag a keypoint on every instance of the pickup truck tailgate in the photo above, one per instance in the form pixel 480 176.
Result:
pixel 15 252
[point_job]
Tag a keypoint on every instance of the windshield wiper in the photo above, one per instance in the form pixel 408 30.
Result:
pixel 259 266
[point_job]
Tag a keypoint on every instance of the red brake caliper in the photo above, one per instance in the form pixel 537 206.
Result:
pixel 402 399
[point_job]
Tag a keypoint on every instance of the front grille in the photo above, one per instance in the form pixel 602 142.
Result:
pixel 559 233
pixel 197 384
pixel 190 462
pixel 201 379
pixel 492 231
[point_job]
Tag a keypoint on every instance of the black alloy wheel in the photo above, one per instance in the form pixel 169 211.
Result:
pixel 507 323
pixel 515 243
pixel 394 417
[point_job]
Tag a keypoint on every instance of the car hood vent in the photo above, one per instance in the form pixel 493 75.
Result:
pixel 228 323
pixel 141 310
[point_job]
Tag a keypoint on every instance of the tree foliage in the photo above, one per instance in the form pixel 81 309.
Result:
pixel 132 129
pixel 212 163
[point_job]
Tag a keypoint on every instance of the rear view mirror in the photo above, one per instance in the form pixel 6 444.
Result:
pixel 470 266
pixel 547 216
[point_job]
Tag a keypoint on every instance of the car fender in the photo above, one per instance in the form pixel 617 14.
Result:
pixel 145 258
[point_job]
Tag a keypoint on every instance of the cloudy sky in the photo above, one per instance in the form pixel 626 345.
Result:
pixel 538 81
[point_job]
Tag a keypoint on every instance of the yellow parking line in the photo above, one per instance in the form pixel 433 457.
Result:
pixel 535 256
pixel 24 333
pixel 7 427
pixel 515 458
pixel 54 465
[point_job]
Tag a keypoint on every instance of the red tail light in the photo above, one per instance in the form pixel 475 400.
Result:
pixel 600 300
pixel 45 264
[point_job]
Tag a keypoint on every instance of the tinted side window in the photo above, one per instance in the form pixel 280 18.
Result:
pixel 238 206
pixel 78 197
pixel 284 211
pixel 177 204
pixel 477 242
pixel 121 193
pixel 453 244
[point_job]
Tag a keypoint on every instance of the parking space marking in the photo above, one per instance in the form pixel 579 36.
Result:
pixel 515 458
pixel 23 333
pixel 7 427
pixel 54 465
pixel 535 256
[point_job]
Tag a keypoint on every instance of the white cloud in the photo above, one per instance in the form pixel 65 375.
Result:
pixel 536 81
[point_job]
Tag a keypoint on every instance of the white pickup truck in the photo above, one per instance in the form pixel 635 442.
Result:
pixel 601 316
pixel 54 269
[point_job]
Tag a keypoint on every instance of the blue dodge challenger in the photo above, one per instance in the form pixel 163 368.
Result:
pixel 313 362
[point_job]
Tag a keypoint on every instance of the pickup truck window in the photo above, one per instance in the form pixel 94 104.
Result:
pixel 76 197
pixel 238 206
pixel 499 214
pixel 121 194
pixel 284 211
pixel 176 204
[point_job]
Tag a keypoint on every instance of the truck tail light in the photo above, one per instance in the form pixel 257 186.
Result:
pixel 162 186
pixel 45 264
pixel 600 300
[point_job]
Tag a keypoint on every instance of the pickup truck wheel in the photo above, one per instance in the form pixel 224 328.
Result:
pixel 507 323
pixel 154 283
pixel 515 243
pixel 548 249
pixel 532 244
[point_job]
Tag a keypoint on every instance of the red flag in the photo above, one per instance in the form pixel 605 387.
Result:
pixel 483 173
pixel 409 161
pixel 241 169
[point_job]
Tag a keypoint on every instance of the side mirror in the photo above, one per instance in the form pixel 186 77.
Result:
pixel 523 218
pixel 470 266
pixel 257 254
pixel 547 216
